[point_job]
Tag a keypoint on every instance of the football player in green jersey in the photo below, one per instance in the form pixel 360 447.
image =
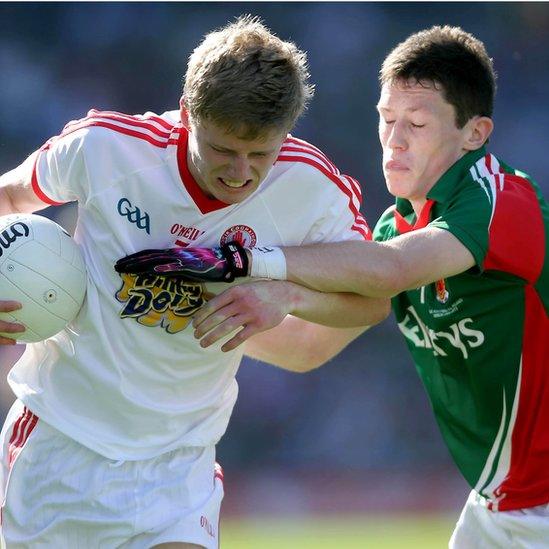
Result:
pixel 462 254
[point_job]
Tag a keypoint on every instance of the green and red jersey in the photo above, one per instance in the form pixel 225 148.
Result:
pixel 480 339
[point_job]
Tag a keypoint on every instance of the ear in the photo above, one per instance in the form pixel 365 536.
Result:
pixel 480 128
pixel 184 113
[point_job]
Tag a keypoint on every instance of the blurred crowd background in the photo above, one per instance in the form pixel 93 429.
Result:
pixel 357 434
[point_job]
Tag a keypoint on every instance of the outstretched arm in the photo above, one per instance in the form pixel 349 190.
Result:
pixel 368 268
pixel 381 269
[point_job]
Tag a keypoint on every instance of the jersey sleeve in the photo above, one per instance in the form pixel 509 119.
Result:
pixel 502 222
pixel 60 173
pixel 468 219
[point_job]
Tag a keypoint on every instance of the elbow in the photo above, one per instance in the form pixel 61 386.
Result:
pixel 306 367
pixel 383 310
pixel 299 362
pixel 390 278
pixel 311 361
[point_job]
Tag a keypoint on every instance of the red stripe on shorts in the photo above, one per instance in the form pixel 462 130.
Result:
pixel 22 429
pixel 218 471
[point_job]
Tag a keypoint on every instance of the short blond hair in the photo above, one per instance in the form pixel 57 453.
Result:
pixel 247 80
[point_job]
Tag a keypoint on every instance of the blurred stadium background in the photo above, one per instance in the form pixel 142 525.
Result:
pixel 349 455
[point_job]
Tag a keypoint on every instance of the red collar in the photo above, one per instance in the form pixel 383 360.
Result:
pixel 203 202
pixel 403 226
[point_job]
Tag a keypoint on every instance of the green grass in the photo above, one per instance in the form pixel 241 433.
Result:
pixel 371 532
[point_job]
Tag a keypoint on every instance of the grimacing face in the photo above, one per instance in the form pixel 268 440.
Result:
pixel 225 166
pixel 419 138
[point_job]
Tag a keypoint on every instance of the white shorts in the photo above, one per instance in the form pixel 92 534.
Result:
pixel 480 528
pixel 59 494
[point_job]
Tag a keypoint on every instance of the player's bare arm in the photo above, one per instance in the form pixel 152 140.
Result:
pixel 300 346
pixel 16 193
pixel 374 269
pixel 379 269
pixel 259 306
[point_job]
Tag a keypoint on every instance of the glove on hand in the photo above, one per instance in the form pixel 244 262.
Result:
pixel 222 264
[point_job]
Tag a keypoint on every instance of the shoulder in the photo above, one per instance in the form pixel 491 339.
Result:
pixel 496 179
pixel 148 129
pixel 315 166
pixel 298 151
pixel 518 219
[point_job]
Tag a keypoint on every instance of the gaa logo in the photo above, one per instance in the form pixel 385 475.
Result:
pixel 134 214
pixel 242 234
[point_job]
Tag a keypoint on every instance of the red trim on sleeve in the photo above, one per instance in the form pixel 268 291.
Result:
pixel 127 117
pixel 121 129
pixel 517 235
pixel 127 120
pixel 307 150
pixel 307 145
pixel 36 186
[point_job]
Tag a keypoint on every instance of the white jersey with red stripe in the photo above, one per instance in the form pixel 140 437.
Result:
pixel 127 378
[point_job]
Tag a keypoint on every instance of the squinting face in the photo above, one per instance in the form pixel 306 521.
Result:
pixel 227 167
pixel 419 137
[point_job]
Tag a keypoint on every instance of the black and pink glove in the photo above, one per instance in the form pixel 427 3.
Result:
pixel 222 264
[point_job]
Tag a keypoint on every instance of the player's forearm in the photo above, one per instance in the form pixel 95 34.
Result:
pixel 365 268
pixel 379 269
pixel 300 346
pixel 339 310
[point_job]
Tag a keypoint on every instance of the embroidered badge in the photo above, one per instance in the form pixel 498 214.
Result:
pixel 242 234
pixel 442 292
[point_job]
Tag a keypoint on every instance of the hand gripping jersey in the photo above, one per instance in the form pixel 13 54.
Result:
pixel 480 340
pixel 126 378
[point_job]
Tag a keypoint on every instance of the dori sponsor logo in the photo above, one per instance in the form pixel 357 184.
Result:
pixel 155 300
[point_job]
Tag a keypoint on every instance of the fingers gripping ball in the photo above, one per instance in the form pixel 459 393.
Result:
pixel 41 267
pixel 194 264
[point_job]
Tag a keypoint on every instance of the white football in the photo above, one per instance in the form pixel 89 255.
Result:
pixel 42 267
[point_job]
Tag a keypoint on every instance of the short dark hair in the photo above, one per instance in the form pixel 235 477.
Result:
pixel 247 80
pixel 450 58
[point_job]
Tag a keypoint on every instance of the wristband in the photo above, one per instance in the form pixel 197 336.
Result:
pixel 268 262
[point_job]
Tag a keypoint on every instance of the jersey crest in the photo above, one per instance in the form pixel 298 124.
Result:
pixel 242 234
pixel 441 291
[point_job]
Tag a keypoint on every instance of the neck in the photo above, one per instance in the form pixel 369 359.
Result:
pixel 417 205
pixel 194 172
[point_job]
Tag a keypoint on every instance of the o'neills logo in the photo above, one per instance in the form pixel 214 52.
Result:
pixel 242 234
pixel 442 292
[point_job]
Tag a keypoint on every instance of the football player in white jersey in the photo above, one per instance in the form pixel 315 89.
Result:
pixel 111 441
